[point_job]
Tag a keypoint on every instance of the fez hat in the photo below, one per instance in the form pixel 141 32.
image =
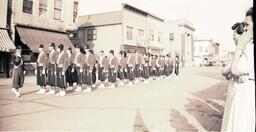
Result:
pixel 52 45
pixel 111 51
pixel 41 46
pixel 61 46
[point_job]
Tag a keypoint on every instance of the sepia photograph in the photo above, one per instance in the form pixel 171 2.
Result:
pixel 127 65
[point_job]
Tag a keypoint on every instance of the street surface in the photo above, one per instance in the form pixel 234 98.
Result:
pixel 193 102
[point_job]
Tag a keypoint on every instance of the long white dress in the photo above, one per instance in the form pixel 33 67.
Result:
pixel 239 111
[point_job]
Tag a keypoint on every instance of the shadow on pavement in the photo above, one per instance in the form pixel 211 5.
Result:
pixel 210 119
pixel 212 75
pixel 180 123
pixel 217 92
pixel 139 125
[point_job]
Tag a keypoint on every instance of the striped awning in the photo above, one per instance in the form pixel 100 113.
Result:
pixel 34 37
pixel 6 45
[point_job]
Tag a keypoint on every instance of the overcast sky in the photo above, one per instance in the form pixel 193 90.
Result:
pixel 212 18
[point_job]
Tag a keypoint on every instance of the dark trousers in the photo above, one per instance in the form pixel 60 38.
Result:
pixel 94 75
pixel 17 78
pixel 51 75
pixel 101 74
pixel 176 69
pixel 112 75
pixel 40 77
pixel 137 71
pixel 77 75
pixel 89 78
pixel 70 76
pixel 145 72
pixel 61 79
pixel 121 74
pixel 130 73
pixel 150 68
pixel 171 69
pixel 157 71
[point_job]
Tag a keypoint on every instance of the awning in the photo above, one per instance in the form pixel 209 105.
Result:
pixel 6 45
pixel 34 37
pixel 132 48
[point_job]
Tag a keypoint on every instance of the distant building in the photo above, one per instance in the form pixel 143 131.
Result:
pixel 129 28
pixel 181 36
pixel 35 22
pixel 6 45
pixel 206 52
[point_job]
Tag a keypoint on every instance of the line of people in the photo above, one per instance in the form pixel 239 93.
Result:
pixel 80 69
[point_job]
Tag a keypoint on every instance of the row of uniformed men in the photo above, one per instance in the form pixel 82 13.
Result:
pixel 61 69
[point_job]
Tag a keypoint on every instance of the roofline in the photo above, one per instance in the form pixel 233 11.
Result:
pixel 91 26
pixel 101 13
pixel 144 12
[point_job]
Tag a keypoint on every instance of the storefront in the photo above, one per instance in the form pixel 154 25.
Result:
pixel 131 48
pixel 30 39
pixel 6 49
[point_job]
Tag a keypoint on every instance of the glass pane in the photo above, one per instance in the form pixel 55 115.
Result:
pixel 57 14
pixel 58 4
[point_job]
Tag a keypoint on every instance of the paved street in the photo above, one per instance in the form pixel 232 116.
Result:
pixel 193 102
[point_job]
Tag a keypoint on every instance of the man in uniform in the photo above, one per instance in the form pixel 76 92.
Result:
pixel 62 65
pixel 130 67
pixel 177 66
pixel 90 63
pixel 70 70
pixel 17 72
pixel 113 66
pixel 121 67
pixel 145 70
pixel 40 70
pixel 78 68
pixel 138 66
pixel 102 68
pixel 52 69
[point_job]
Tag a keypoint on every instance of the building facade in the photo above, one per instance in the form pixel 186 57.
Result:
pixel 206 52
pixel 127 29
pixel 35 22
pixel 6 45
pixel 181 40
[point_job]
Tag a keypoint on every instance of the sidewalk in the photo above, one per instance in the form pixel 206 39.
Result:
pixel 7 81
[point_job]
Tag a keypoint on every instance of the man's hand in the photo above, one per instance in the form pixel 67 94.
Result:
pixel 63 73
pixel 35 72
pixel 72 70
pixel 81 70
pixel 43 71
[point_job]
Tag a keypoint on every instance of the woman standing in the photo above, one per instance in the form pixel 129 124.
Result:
pixel 18 71
pixel 242 110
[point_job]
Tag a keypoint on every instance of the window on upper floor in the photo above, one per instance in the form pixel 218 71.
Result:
pixel 27 6
pixel 159 36
pixel 43 8
pixel 171 36
pixel 129 33
pixel 75 10
pixel 57 9
pixel 91 34
pixel 141 33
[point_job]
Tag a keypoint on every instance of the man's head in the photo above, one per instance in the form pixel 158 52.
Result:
pixel 69 50
pixel 52 46
pixel 60 48
pixel 111 53
pixel 41 48
pixel 102 53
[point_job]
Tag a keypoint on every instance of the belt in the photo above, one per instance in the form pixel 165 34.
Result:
pixel 40 64
pixel 251 79
pixel 60 66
